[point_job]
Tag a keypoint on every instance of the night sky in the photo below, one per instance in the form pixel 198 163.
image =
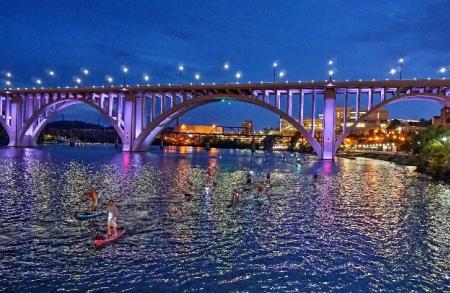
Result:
pixel 364 38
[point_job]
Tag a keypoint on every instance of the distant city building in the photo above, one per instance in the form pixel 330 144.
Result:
pixel 199 129
pixel 247 127
pixel 443 119
pixel 287 129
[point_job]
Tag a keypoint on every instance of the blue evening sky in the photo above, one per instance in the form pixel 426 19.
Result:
pixel 365 38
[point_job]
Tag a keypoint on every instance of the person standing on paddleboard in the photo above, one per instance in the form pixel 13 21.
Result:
pixel 112 217
pixel 92 195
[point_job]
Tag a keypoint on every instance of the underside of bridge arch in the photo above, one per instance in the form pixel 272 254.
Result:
pixel 35 124
pixel 148 135
pixel 444 100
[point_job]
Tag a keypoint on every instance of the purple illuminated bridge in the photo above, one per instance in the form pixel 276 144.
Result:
pixel 140 113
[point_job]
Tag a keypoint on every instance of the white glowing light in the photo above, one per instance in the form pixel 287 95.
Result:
pixel 197 76
pixel 226 66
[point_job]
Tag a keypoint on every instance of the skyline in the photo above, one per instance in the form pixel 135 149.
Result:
pixel 155 38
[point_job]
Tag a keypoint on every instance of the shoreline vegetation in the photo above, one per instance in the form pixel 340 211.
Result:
pixel 429 152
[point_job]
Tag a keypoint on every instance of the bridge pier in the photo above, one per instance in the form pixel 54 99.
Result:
pixel 329 124
pixel 129 123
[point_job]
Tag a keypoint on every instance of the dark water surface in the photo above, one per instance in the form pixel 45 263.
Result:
pixel 361 225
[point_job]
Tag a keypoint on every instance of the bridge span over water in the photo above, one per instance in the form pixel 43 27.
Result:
pixel 140 113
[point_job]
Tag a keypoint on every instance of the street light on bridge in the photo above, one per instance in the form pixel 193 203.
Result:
pixel 442 71
pixel 282 74
pixel 274 65
pixel 197 77
pixel 330 75
pixel 78 81
pixel 8 83
pixel 109 79
pixel 238 76
pixel 8 74
pixel 125 71
pixel 226 66
pixel 180 69
pixel 51 73
pixel 85 73
pixel 38 81
pixel 392 72
pixel 146 78
pixel 401 61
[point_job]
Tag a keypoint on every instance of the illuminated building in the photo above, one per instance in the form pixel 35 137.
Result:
pixel 247 127
pixel 443 119
pixel 199 129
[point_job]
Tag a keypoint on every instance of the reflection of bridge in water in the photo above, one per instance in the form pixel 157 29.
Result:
pixel 140 113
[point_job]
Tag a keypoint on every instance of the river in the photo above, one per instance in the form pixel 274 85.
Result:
pixel 353 225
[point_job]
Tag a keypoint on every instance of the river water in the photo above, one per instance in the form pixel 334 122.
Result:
pixel 359 225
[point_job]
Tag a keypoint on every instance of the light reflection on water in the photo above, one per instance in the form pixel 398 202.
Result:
pixel 361 225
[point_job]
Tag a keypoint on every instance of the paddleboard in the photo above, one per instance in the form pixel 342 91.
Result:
pixel 85 215
pixel 105 239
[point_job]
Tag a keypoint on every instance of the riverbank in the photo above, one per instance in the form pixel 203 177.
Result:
pixel 404 159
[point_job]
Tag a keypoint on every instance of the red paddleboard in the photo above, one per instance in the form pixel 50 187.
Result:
pixel 105 239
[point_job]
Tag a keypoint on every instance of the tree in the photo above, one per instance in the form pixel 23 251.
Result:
pixel 394 124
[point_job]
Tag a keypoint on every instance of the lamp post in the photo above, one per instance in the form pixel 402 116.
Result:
pixel 125 71
pixel 442 71
pixel 274 65
pixel 8 81
pixel 401 61
pixel 51 74
pixel 238 76
pixel 282 74
pixel 78 81
pixel 226 66
pixel 85 73
pixel 197 77
pixel 38 82
pixel 109 79
pixel 392 72
pixel 330 75
pixel 180 70
pixel 146 78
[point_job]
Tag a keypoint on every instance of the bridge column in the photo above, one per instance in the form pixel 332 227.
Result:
pixel 129 120
pixel 139 115
pixel 14 110
pixel 329 124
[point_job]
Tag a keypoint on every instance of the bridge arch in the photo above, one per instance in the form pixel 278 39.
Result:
pixel 444 100
pixel 148 134
pixel 28 135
